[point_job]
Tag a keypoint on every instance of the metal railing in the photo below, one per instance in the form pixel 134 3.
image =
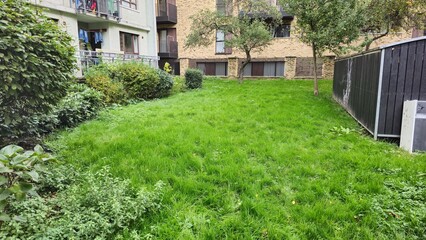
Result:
pixel 100 8
pixel 167 10
pixel 87 59
pixel 169 46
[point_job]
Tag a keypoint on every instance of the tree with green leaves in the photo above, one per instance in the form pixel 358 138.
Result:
pixel 245 22
pixel 36 64
pixel 325 25
pixel 382 17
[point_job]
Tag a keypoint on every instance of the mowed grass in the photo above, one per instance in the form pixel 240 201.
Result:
pixel 255 161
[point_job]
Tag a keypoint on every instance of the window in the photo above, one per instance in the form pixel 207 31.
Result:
pixel 224 7
pixel 55 20
pixel 213 68
pixel 282 31
pixel 264 69
pixel 220 43
pixel 128 3
pixel 129 43
pixel 167 40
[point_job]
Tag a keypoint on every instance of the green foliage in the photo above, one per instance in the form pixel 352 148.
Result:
pixel 139 80
pixel 178 85
pixel 19 170
pixel 165 84
pixel 96 206
pixel 119 81
pixel 193 78
pixel 80 104
pixel 382 17
pixel 401 209
pixel 167 68
pixel 36 64
pixel 99 78
pixel 341 130
pixel 326 25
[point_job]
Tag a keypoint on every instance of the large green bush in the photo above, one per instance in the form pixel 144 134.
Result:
pixel 165 85
pixel 139 80
pixel 193 78
pixel 80 104
pixel 100 78
pixel 36 64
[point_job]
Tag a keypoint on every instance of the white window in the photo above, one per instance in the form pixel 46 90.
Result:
pixel 220 41
pixel 129 3
pixel 129 43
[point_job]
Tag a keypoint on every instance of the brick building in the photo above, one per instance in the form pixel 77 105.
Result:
pixel 286 57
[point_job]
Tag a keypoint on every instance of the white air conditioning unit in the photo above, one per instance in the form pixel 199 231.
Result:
pixel 413 130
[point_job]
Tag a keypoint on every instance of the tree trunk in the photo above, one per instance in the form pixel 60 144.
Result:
pixel 314 51
pixel 241 70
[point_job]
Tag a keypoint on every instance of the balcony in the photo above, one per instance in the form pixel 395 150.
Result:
pixel 107 9
pixel 87 59
pixel 168 49
pixel 167 12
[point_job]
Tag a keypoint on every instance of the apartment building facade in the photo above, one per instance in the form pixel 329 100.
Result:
pixel 286 57
pixel 111 30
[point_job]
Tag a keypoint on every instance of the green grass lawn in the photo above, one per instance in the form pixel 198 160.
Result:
pixel 257 161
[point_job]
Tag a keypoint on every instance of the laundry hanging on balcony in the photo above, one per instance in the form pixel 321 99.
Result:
pixel 92 4
pixel 89 4
pixel 98 37
pixel 82 35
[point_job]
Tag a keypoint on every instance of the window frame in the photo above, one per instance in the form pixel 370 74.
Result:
pixel 198 65
pixel 224 7
pixel 250 71
pixel 132 4
pixel 282 28
pixel 226 50
pixel 220 41
pixel 133 38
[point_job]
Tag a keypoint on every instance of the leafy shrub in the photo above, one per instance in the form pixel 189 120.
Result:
pixel 140 81
pixel 400 212
pixel 193 78
pixel 178 85
pixel 19 171
pixel 165 85
pixel 36 64
pixel 98 206
pixel 99 78
pixel 168 68
pixel 80 104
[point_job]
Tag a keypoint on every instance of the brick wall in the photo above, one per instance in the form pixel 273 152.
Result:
pixel 284 48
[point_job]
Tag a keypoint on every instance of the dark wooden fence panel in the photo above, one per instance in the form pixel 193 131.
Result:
pixel 355 86
pixel 404 77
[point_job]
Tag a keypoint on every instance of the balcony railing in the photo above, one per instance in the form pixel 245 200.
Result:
pixel 101 8
pixel 167 12
pixel 168 49
pixel 86 59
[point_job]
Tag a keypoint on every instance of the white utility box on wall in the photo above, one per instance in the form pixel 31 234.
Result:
pixel 413 129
